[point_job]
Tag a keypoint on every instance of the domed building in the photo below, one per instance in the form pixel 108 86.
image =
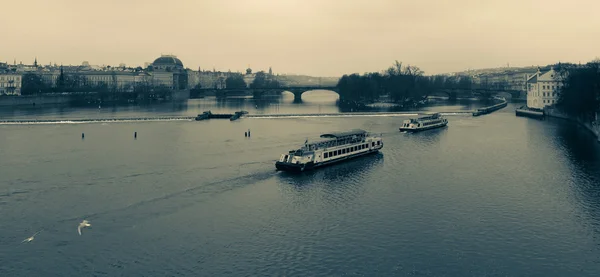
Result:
pixel 168 70
pixel 167 62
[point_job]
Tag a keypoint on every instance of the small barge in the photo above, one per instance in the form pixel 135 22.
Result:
pixel 209 115
pixel 487 110
pixel 529 112
pixel 332 148
pixel 237 115
pixel 424 123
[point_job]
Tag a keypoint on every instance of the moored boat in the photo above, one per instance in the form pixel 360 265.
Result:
pixel 331 148
pixel 203 116
pixel 529 112
pixel 237 115
pixel 423 123
pixel 487 110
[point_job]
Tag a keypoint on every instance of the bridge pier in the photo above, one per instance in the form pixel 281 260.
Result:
pixel 297 96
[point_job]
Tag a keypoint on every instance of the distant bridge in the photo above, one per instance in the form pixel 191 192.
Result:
pixel 258 92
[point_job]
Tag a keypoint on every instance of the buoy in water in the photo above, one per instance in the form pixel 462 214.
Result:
pixel 135 135
pixel 82 135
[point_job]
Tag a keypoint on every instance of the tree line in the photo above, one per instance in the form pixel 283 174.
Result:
pixel 261 80
pixel 580 92
pixel 34 84
pixel 400 83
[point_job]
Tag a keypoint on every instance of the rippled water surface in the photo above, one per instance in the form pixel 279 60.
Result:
pixel 313 102
pixel 494 195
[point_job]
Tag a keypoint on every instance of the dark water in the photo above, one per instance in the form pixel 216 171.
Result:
pixel 494 195
pixel 314 102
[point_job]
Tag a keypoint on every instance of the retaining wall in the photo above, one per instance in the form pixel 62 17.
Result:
pixel 594 127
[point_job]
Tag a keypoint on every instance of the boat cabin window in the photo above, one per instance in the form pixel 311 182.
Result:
pixel 325 155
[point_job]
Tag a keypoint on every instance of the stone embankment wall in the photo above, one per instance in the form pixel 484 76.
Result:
pixel 594 127
pixel 6 100
pixel 11 100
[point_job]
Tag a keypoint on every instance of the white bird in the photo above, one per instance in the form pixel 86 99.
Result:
pixel 83 224
pixel 29 239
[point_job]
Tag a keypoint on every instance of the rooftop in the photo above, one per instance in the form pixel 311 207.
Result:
pixel 168 60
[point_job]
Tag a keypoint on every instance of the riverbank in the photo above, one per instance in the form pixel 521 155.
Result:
pixel 31 100
pixel 593 127
pixel 78 98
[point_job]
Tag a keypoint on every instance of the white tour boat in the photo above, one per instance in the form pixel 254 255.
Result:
pixel 424 123
pixel 332 148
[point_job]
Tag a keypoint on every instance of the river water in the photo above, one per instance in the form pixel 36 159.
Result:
pixel 495 195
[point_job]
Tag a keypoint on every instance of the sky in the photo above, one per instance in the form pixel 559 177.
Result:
pixel 312 37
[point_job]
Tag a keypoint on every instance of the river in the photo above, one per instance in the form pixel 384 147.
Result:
pixel 495 195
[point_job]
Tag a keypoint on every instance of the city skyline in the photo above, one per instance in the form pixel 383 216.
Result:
pixel 314 38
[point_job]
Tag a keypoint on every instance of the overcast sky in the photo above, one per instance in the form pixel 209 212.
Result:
pixel 315 37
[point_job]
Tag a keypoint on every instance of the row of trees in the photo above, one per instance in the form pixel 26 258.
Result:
pixel 580 93
pixel 34 84
pixel 261 80
pixel 400 83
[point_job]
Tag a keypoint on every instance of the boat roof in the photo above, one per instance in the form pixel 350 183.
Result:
pixel 344 134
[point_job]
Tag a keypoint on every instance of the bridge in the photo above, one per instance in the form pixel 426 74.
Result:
pixel 259 92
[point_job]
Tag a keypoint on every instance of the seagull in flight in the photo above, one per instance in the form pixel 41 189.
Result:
pixel 83 224
pixel 29 239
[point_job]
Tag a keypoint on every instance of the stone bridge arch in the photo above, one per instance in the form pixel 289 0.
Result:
pixel 298 91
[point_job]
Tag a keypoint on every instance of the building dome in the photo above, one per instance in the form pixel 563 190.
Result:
pixel 168 60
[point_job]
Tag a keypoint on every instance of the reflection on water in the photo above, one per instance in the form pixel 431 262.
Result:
pixel 339 174
pixel 493 195
pixel 313 102
pixel 583 153
pixel 576 141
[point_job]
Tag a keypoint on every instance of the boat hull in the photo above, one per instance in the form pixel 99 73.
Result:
pixel 529 113
pixel 487 110
pixel 420 129
pixel 297 168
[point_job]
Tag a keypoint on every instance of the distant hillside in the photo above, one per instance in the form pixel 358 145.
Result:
pixel 304 80
pixel 504 70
